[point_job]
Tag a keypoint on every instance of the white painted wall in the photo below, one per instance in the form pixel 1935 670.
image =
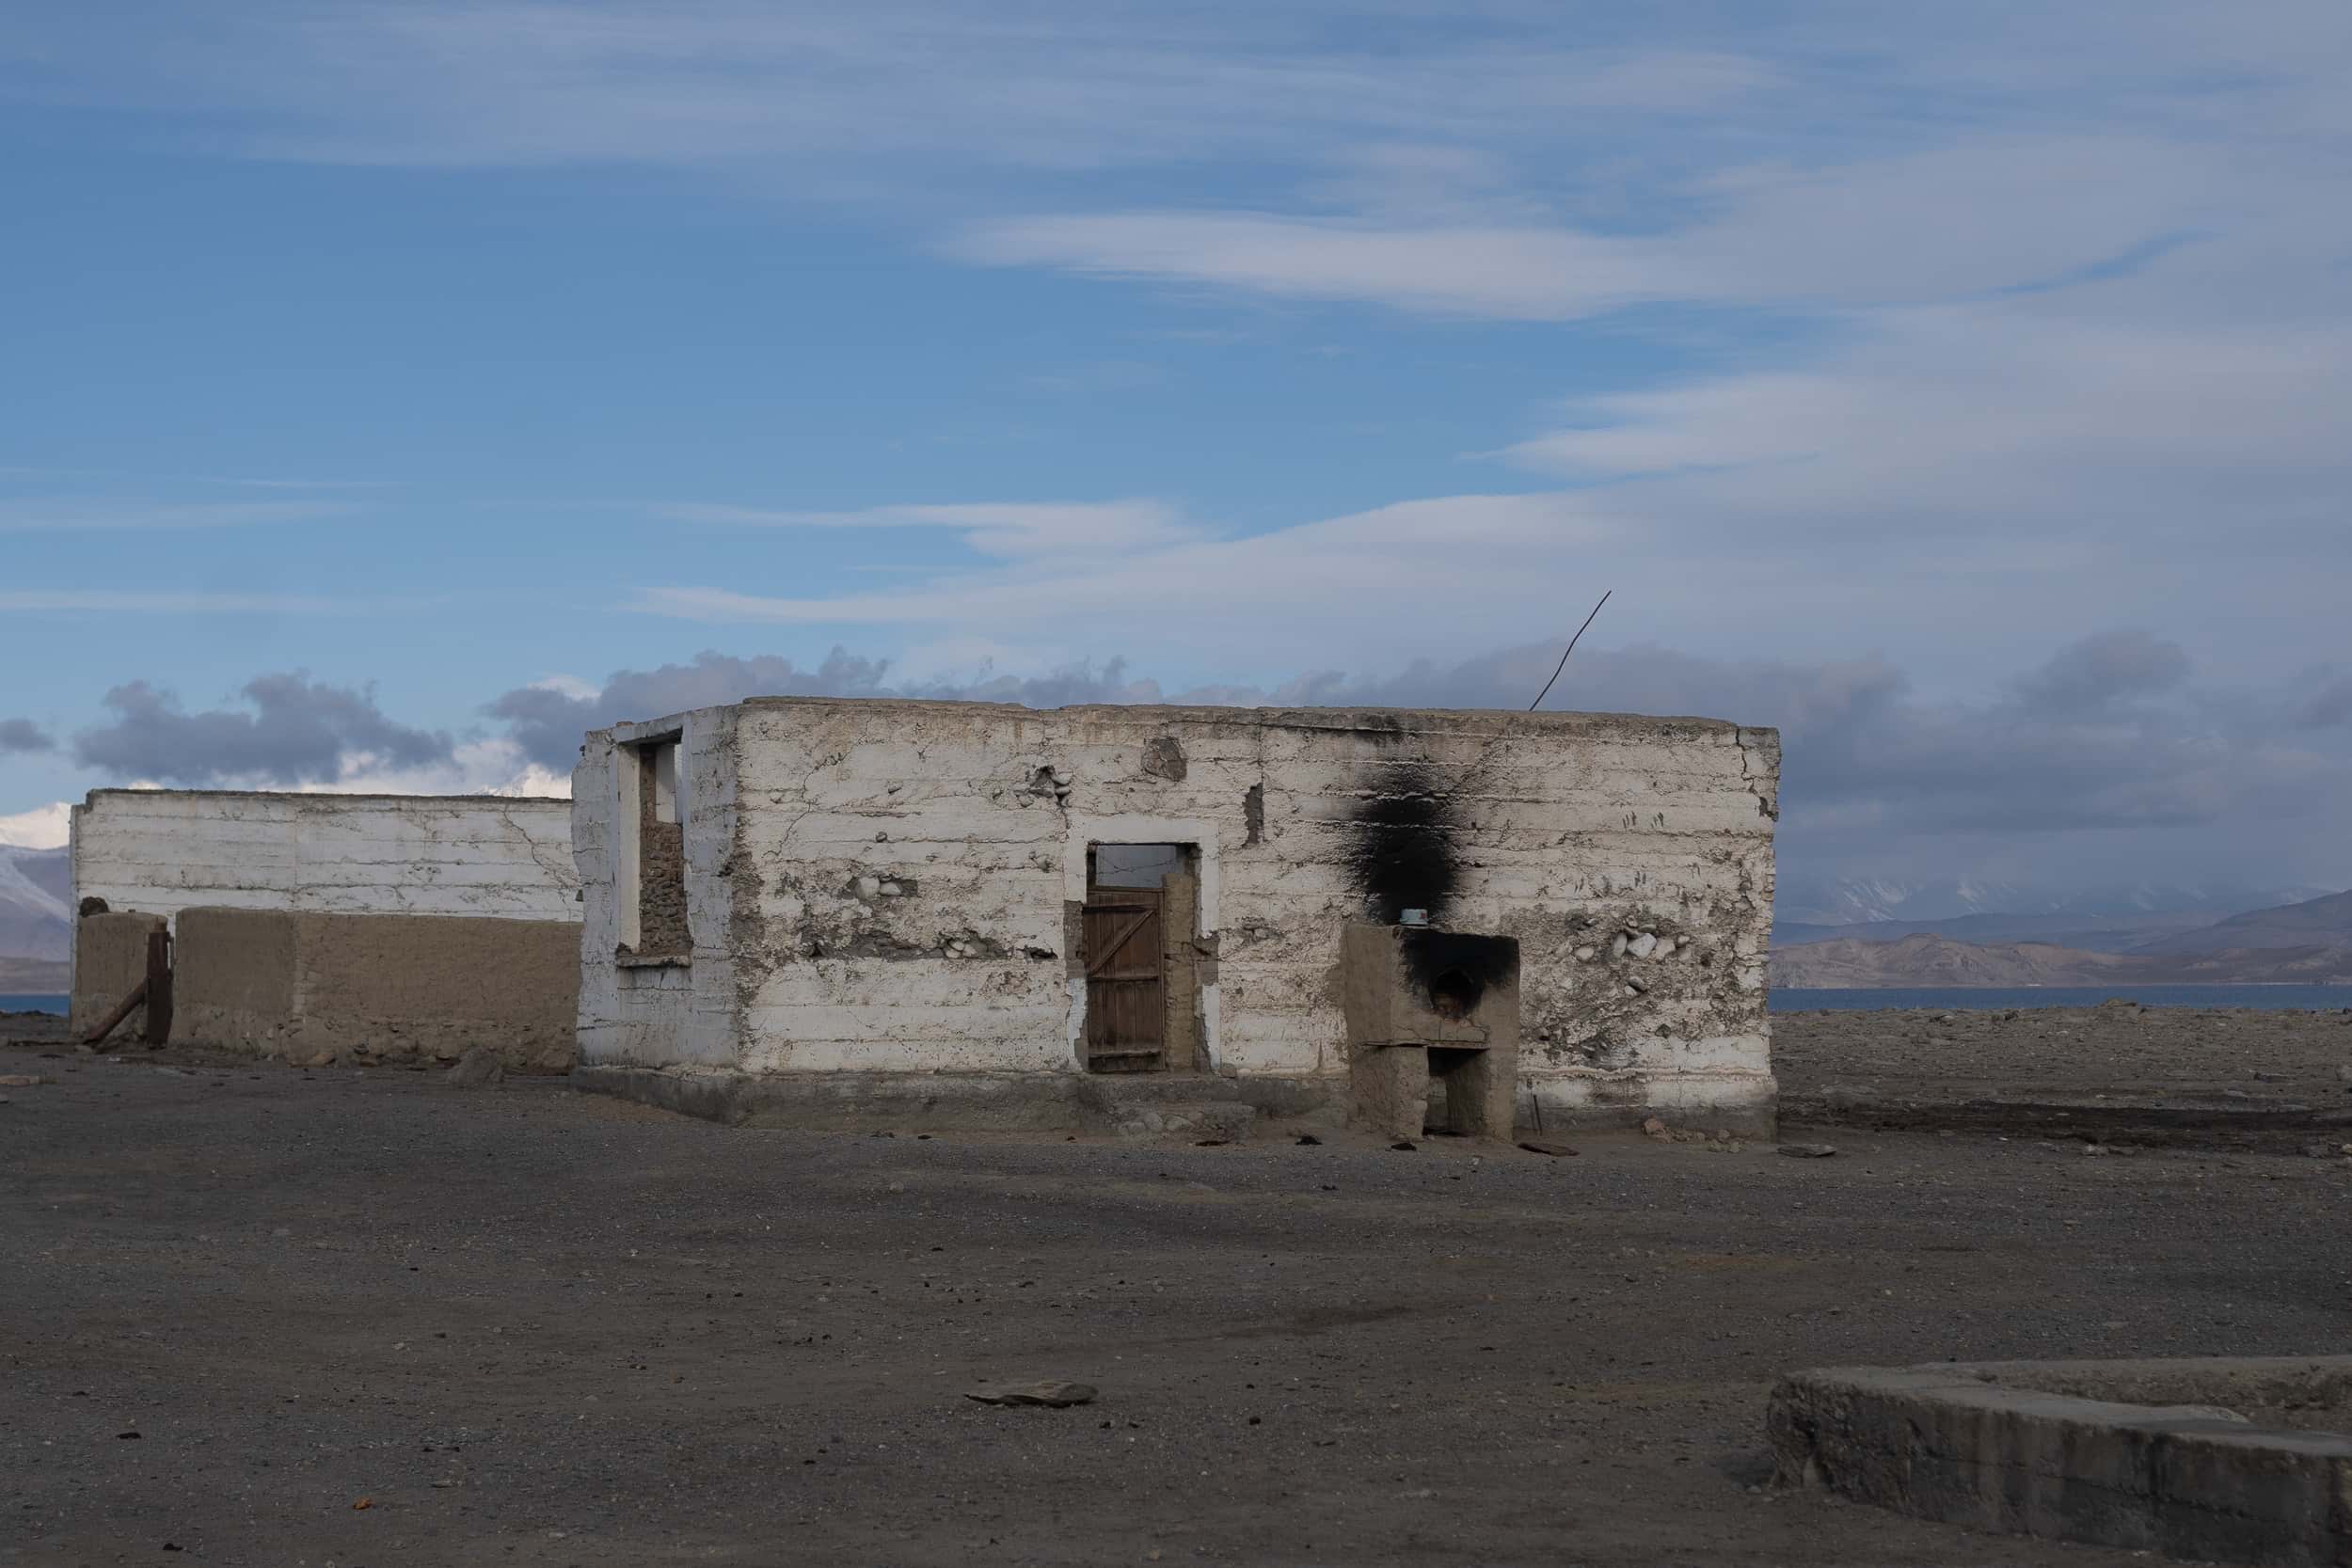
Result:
pixel 1576 828
pixel 160 851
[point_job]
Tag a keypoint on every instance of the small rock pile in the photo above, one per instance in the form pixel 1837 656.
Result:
pixel 1717 1141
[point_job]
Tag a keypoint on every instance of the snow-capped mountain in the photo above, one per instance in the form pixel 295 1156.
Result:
pixel 35 903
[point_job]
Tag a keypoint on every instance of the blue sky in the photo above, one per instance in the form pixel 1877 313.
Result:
pixel 1893 368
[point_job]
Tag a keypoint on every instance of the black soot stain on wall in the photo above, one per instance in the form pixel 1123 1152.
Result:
pixel 1458 964
pixel 1401 853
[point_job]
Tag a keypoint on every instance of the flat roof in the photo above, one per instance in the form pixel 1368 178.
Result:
pixel 1332 718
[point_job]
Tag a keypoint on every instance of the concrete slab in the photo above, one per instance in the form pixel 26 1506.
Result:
pixel 2047 1448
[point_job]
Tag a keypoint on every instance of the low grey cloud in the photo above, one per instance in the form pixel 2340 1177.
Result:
pixel 22 735
pixel 2332 704
pixel 2108 760
pixel 2115 759
pixel 290 730
pixel 2099 672
pixel 548 722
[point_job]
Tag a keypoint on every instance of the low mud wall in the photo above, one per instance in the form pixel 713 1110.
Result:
pixel 314 988
pixel 109 958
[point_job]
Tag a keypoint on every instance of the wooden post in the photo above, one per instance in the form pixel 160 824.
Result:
pixel 158 988
pixel 121 1011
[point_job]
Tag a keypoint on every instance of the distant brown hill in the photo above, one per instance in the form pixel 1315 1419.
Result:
pixel 1932 960
pixel 2315 922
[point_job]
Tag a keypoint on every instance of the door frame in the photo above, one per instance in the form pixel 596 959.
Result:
pixel 1199 836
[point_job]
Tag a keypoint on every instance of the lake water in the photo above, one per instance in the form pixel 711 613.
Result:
pixel 35 1003
pixel 1981 998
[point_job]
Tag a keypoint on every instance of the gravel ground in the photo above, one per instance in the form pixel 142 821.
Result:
pixel 2192 1055
pixel 364 1317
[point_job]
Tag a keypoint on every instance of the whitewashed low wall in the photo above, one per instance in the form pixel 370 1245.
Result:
pixel 160 851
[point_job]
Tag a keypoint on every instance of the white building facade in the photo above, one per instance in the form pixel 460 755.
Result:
pixel 835 911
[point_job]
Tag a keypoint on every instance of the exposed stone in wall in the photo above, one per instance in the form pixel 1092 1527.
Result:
pixel 660 881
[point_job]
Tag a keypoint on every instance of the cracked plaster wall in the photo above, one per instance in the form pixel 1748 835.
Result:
pixel 894 892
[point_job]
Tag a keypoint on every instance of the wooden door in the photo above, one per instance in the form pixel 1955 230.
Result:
pixel 1127 980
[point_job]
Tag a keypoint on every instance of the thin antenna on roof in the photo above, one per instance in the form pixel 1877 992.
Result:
pixel 1564 657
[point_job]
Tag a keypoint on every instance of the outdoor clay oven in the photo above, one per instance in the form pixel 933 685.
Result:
pixel 1428 1005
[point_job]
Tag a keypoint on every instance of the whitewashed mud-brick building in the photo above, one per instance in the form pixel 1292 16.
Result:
pixel 838 913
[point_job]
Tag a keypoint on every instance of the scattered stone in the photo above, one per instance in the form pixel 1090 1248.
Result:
pixel 1644 945
pixel 1654 1128
pixel 19 1080
pixel 1537 1145
pixel 1809 1151
pixel 2344 1072
pixel 477 1069
pixel 1057 1396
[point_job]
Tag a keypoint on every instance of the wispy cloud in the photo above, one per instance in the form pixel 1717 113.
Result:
pixel 109 601
pixel 1064 85
pixel 1013 530
pixel 1997 213
pixel 83 514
